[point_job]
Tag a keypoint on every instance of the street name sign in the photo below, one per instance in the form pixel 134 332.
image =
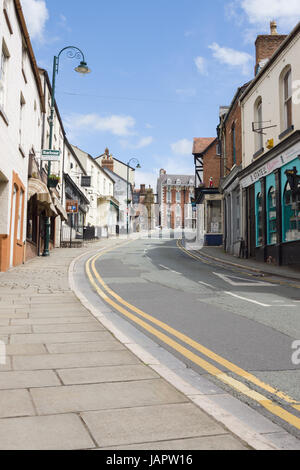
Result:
pixel 51 155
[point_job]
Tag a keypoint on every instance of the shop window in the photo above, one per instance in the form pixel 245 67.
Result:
pixel 259 220
pixel 291 214
pixel 272 216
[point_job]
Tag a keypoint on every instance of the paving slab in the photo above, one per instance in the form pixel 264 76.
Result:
pixel 60 432
pixel 25 349
pixel 74 360
pixel 226 442
pixel 106 345
pixel 60 337
pixel 4 321
pixel 42 313
pixel 15 329
pixel 150 424
pixel 28 379
pixel 94 375
pixel 65 328
pixel 15 403
pixel 53 321
pixel 105 396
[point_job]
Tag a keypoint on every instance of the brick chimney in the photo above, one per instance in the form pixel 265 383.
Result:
pixel 266 45
pixel 107 161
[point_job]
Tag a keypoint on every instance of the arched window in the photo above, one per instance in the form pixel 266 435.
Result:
pixel 178 182
pixel 259 138
pixel 287 96
pixel 259 220
pixel 291 215
pixel 272 231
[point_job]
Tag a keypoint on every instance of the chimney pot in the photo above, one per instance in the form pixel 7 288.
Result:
pixel 273 28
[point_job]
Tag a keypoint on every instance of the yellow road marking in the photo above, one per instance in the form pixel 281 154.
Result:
pixel 215 357
pixel 268 279
pixel 211 369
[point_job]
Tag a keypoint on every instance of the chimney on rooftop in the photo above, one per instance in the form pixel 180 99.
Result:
pixel 107 161
pixel 266 45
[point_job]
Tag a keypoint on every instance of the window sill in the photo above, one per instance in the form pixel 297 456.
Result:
pixel 22 151
pixel 286 132
pixel 258 153
pixel 4 117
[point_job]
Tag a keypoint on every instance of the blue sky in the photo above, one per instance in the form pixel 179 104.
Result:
pixel 160 70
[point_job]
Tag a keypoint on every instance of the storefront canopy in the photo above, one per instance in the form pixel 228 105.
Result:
pixel 60 209
pixel 39 189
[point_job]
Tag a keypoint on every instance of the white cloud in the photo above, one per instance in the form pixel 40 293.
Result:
pixel 116 125
pixel 231 57
pixel 174 166
pixel 263 11
pixel 36 15
pixel 142 143
pixel 201 65
pixel 182 147
pixel 259 13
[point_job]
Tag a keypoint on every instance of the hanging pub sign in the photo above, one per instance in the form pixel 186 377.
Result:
pixel 72 207
pixel 86 181
pixel 294 180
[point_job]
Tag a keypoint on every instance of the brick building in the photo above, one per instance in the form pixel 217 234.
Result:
pixel 231 155
pixel 175 195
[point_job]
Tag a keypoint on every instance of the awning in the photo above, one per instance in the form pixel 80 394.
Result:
pixel 45 203
pixel 60 209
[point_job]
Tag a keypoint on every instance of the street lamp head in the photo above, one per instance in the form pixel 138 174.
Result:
pixel 83 68
pixel 138 167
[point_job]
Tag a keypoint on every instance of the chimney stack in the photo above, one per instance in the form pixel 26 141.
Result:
pixel 107 161
pixel 266 45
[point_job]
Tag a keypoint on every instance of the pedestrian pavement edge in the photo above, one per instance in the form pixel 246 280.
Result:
pixel 278 439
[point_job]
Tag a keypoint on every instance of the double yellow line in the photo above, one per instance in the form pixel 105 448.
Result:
pixel 138 318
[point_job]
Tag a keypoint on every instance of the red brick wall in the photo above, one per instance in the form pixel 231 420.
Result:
pixel 266 45
pixel 235 118
pixel 211 167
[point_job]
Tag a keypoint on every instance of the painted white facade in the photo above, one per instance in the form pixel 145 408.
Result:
pixel 20 122
pixel 102 186
pixel 270 90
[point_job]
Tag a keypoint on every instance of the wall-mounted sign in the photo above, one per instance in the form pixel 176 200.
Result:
pixel 50 155
pixel 86 181
pixel 72 207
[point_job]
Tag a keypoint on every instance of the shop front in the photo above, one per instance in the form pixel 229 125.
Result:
pixel 273 208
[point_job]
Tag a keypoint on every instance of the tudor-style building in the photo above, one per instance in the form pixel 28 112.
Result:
pixel 207 195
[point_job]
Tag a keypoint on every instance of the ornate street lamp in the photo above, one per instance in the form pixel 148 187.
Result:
pixel 138 167
pixel 73 53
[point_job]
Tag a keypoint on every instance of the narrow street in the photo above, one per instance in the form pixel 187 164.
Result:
pixel 231 327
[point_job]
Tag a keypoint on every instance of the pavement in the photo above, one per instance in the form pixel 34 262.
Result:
pixel 218 254
pixel 69 384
